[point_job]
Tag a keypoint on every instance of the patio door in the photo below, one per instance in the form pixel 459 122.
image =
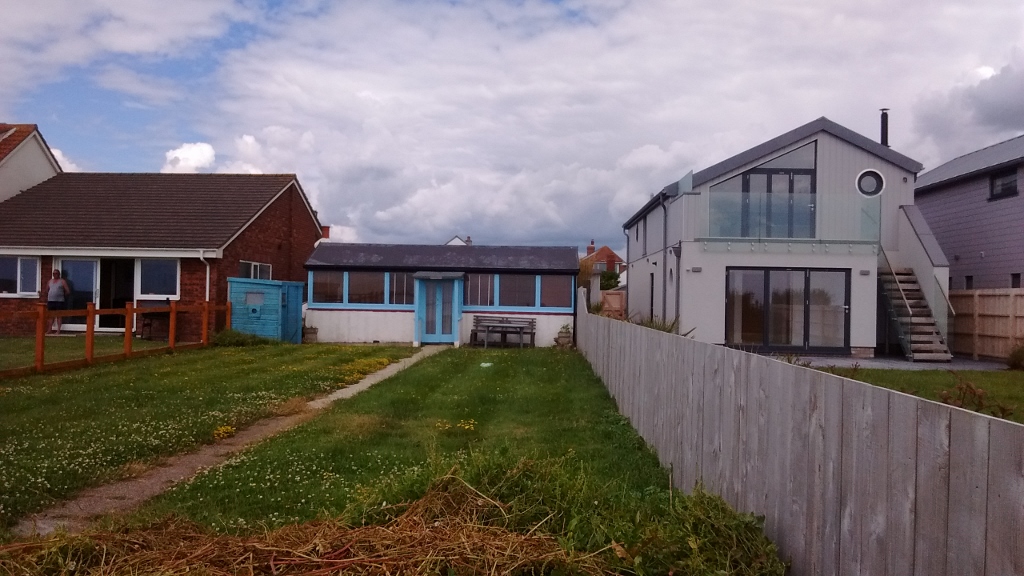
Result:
pixel 82 275
pixel 436 312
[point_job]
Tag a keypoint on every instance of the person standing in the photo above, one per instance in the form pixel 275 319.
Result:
pixel 57 293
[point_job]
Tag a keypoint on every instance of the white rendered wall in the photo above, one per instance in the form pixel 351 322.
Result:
pixel 28 165
pixel 548 325
pixel 361 325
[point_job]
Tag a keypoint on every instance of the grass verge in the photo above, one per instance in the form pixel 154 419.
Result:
pixel 21 352
pixel 63 432
pixel 532 431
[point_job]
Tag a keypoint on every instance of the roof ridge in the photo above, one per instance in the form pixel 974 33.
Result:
pixel 972 152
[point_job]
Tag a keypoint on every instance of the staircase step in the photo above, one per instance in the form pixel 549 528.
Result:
pixel 924 337
pixel 933 357
pixel 923 320
pixel 916 347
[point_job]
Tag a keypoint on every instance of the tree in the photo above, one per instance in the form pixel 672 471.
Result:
pixel 609 280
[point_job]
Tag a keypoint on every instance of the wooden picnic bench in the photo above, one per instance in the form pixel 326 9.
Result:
pixel 484 326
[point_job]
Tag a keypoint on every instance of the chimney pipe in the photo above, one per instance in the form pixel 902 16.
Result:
pixel 325 231
pixel 885 127
pixel 469 240
pixel 590 249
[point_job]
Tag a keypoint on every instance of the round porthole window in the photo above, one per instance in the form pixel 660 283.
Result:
pixel 870 183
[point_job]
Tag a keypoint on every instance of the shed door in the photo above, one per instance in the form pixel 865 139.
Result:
pixel 436 311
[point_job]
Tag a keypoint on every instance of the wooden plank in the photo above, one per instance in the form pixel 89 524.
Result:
pixel 968 492
pixel 815 522
pixel 776 458
pixel 798 445
pixel 696 411
pixel 902 489
pixel 731 368
pixel 711 446
pixel 931 506
pixel 1004 551
pixel 855 404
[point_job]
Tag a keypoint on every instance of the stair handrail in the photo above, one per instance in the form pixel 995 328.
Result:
pixel 903 295
pixel 946 330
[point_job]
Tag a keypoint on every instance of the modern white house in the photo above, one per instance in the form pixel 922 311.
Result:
pixel 808 243
pixel 422 294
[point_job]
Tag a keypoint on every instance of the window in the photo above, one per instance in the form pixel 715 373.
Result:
pixel 19 276
pixel 328 286
pixel 479 290
pixel 256 270
pixel 556 291
pixel 1015 280
pixel 158 278
pixel 773 200
pixel 968 282
pixel 402 288
pixel 365 287
pixel 517 290
pixel 600 266
pixel 644 245
pixel 1003 185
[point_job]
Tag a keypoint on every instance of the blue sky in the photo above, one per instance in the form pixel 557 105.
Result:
pixel 514 122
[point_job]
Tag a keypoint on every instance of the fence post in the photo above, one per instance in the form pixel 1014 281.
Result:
pixel 129 320
pixel 172 328
pixel 977 338
pixel 206 322
pixel 40 335
pixel 90 330
pixel 227 322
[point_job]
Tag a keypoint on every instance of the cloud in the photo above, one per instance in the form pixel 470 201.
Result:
pixel 189 159
pixel 65 164
pixel 153 90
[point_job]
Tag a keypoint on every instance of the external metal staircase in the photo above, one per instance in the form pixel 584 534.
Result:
pixel 908 310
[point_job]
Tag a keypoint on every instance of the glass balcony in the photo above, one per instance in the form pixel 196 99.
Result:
pixel 766 217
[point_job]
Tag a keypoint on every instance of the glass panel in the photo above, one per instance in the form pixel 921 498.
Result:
pixel 402 288
pixel 827 326
pixel 328 286
pixel 786 308
pixel 802 203
pixel 556 291
pixel 8 275
pixel 745 307
pixel 447 289
pixel 726 214
pixel 254 298
pixel 518 290
pixel 365 287
pixel 158 277
pixel 29 275
pixel 800 159
pixel 778 205
pixel 263 271
pixel 81 278
pixel 430 295
pixel 245 269
pixel 479 290
pixel 755 207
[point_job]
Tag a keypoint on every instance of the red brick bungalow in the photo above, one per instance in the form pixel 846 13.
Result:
pixel 150 238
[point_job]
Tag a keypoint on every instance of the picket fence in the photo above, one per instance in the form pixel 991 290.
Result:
pixel 850 478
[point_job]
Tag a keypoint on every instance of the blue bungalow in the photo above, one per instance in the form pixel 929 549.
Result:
pixel 431 294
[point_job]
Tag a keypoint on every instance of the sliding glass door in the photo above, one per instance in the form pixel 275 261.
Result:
pixel 788 309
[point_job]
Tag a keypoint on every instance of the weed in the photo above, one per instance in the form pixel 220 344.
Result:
pixel 655 323
pixel 966 395
pixel 1015 361
pixel 233 338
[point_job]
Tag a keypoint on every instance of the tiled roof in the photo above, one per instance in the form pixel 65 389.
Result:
pixel 13 134
pixel 993 157
pixel 108 210
pixel 425 257
pixel 603 254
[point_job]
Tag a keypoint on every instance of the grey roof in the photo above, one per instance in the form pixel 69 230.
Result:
pixel 779 142
pixel 423 257
pixel 988 159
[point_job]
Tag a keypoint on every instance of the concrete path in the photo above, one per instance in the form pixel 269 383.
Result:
pixel 899 363
pixel 121 496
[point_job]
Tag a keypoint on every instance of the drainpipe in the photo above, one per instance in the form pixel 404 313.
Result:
pixel 664 256
pixel 625 312
pixel 678 250
pixel 203 260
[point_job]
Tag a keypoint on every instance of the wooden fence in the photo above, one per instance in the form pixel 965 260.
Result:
pixel 989 323
pixel 851 478
pixel 43 319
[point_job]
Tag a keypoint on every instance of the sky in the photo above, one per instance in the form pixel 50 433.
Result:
pixel 514 122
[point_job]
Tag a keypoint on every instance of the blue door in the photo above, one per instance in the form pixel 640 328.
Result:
pixel 436 312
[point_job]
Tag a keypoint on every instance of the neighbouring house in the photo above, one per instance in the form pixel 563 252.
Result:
pixel 150 238
pixel 974 206
pixel 25 159
pixel 430 293
pixel 604 258
pixel 807 243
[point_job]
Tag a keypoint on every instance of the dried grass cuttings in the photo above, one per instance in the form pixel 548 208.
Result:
pixel 449 530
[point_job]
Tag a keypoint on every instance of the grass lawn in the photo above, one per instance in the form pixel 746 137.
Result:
pixel 532 428
pixel 19 352
pixel 63 432
pixel 1005 387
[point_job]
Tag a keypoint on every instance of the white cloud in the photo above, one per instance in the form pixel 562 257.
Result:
pixel 151 89
pixel 189 159
pixel 65 164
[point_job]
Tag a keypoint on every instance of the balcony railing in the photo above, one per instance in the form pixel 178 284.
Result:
pixel 766 217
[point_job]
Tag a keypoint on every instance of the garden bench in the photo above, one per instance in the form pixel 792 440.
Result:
pixel 484 326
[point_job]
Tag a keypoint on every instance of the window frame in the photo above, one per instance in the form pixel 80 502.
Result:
pixel 993 195
pixel 255 267
pixel 19 289
pixel 139 295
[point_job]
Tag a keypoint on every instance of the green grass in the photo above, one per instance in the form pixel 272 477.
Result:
pixel 1005 387
pixel 532 428
pixel 60 433
pixel 20 352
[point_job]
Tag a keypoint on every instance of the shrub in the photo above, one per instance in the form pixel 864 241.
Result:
pixel 609 280
pixel 235 338
pixel 1015 361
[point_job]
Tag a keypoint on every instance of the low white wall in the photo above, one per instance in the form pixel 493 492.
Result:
pixel 548 325
pixel 361 325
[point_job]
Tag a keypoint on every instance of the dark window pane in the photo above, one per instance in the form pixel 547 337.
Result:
pixel 828 309
pixel 328 286
pixel 745 307
pixel 800 159
pixel 159 277
pixel 401 288
pixel 366 287
pixel 556 291
pixel 29 275
pixel 8 275
pixel 479 290
pixel 245 269
pixel 786 308
pixel 1015 280
pixel 1004 185
pixel 517 290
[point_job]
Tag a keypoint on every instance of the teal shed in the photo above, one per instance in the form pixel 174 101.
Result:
pixel 268 308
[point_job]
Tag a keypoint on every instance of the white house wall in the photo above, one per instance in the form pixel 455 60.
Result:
pixel 28 165
pixel 548 325
pixel 361 325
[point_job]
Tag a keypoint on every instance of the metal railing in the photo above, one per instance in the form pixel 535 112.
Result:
pixel 892 307
pixel 943 313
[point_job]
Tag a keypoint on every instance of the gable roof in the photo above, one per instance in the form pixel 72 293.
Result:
pixel 14 135
pixel 603 254
pixel 764 149
pixel 988 159
pixel 424 257
pixel 146 211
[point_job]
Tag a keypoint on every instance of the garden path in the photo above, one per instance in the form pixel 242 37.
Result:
pixel 123 495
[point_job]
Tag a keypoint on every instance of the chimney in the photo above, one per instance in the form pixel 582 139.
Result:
pixel 590 249
pixel 469 240
pixel 885 127
pixel 325 231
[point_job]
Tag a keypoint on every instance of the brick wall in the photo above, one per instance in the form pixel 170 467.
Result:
pixel 10 326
